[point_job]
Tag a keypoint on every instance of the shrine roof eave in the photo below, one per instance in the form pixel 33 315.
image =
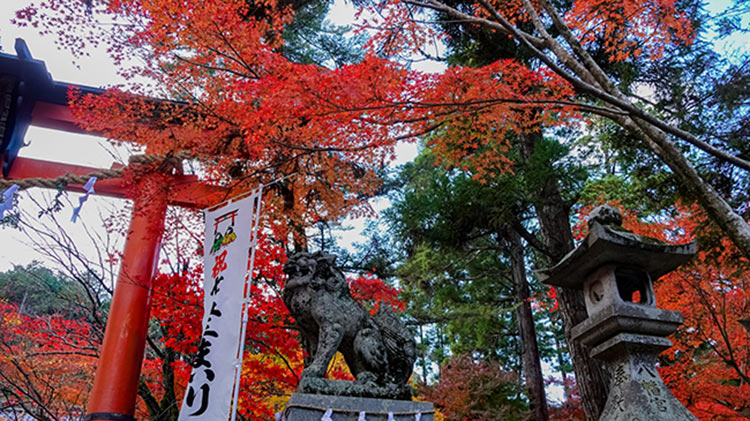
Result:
pixel 38 82
pixel 29 96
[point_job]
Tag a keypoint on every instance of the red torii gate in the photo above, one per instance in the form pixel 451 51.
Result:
pixel 28 95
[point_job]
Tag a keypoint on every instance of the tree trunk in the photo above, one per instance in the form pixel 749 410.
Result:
pixel 561 362
pixel 532 366
pixel 299 236
pixel 170 406
pixel 554 220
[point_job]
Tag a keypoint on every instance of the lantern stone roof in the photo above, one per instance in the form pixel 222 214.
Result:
pixel 609 243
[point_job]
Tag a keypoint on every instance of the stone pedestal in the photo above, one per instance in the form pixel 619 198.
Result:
pixel 629 338
pixel 637 392
pixel 307 407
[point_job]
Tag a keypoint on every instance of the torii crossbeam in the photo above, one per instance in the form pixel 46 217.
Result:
pixel 29 96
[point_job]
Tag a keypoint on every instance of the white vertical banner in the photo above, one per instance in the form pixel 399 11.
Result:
pixel 230 234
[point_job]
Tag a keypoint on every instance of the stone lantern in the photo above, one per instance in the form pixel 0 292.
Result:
pixel 616 269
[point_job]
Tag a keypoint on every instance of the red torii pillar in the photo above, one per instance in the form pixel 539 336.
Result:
pixel 115 388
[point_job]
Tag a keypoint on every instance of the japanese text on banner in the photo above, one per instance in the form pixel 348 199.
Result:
pixel 229 235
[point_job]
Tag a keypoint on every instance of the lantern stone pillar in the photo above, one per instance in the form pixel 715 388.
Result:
pixel 625 329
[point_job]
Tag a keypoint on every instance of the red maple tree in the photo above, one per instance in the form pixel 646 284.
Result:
pixel 46 363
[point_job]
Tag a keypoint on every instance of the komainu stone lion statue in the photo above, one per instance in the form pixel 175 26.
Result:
pixel 378 349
